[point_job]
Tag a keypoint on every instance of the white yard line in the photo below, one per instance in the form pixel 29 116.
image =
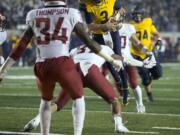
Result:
pixel 170 64
pixel 25 133
pixel 20 77
pixel 87 97
pixel 160 99
pixel 167 128
pixel 32 77
pixel 89 111
pixel 21 133
pixel 141 132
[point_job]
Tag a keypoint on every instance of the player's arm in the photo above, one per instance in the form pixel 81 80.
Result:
pixel 17 52
pixel 119 12
pixel 156 37
pixel 146 63
pixel 80 30
pixel 138 45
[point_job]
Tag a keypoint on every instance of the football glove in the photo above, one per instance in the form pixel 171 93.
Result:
pixel 110 26
pixel 149 62
pixel 117 64
pixel 158 44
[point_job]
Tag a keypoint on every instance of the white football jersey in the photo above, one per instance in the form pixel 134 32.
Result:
pixel 52 27
pixel 3 37
pixel 126 31
pixel 86 58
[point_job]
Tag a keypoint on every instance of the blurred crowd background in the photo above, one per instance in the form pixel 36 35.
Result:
pixel 165 15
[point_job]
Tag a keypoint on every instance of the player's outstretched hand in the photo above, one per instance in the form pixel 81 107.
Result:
pixel 149 62
pixel 118 16
pixel 117 64
pixel 111 26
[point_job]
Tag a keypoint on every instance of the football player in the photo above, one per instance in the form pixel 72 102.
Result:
pixel 89 66
pixel 128 33
pixel 98 15
pixel 51 26
pixel 145 31
pixel 3 36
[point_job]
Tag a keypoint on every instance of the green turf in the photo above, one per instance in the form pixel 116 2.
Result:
pixel 19 102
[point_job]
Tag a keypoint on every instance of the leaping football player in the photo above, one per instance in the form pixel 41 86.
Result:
pixel 98 15
pixel 145 31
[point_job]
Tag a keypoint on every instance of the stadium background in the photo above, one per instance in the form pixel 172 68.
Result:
pixel 165 14
pixel 19 98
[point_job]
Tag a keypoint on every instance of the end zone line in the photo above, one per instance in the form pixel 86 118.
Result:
pixel 167 128
pixel 22 133
pixel 140 132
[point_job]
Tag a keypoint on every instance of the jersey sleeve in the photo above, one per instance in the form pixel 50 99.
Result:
pixel 131 30
pixel 75 17
pixel 150 22
pixel 153 29
pixel 29 19
pixel 107 50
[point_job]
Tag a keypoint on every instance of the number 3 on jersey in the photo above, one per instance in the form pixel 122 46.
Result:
pixel 46 37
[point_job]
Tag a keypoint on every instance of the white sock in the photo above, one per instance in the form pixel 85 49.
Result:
pixel 45 116
pixel 78 112
pixel 37 119
pixel 117 119
pixel 138 95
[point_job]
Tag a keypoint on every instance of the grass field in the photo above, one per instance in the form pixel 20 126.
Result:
pixel 19 102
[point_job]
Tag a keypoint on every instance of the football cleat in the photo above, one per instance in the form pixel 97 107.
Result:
pixel 33 124
pixel 121 129
pixel 140 109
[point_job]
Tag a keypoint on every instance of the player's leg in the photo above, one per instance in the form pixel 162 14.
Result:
pixel 60 102
pixel 97 82
pixel 132 77
pixel 70 81
pixel 46 86
pixel 124 85
pixel 146 81
pixel 116 77
pixel 156 71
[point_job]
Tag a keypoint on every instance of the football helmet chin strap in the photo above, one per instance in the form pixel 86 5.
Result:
pixel 53 3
